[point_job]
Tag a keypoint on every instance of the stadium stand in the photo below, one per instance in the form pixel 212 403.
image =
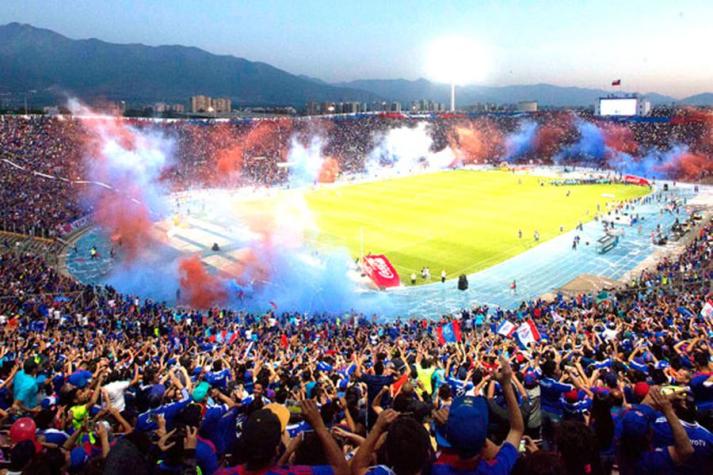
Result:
pixel 94 381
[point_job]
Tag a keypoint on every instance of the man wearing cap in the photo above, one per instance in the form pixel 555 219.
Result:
pixel 261 439
pixel 635 453
pixel 466 429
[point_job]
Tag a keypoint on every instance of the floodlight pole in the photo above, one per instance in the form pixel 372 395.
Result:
pixel 453 97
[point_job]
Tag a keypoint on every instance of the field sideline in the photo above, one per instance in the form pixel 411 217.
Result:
pixel 462 221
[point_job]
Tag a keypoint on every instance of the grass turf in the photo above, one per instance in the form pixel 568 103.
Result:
pixel 462 221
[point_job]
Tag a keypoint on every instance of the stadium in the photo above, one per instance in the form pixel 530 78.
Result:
pixel 338 291
pixel 301 238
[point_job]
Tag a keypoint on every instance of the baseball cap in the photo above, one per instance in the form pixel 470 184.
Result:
pixel 636 422
pixel 572 396
pixel 530 380
pixel 641 389
pixel 467 426
pixel 282 413
pixel 200 392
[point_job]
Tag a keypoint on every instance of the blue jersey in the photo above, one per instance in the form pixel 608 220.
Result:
pixel 639 366
pixel 702 391
pixel 550 392
pixel 657 461
pixel 503 463
pixel 458 386
pixel 146 421
pixel 218 379
pixel 701 439
pixel 576 408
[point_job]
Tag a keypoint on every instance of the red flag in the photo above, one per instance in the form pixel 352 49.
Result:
pixel 283 341
pixel 273 305
pixel 449 333
pixel 616 82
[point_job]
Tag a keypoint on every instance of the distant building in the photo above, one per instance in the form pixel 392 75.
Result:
pixel 527 106
pixel 221 105
pixel 312 108
pixel 351 107
pixel 328 108
pixel 395 107
pixel 425 105
pixel 162 108
pixel 201 104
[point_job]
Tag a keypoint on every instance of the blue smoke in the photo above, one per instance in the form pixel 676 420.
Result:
pixel 310 281
pixel 154 275
pixel 521 142
pixel 305 162
pixel 590 147
pixel 654 164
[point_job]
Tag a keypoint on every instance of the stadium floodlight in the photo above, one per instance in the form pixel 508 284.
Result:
pixel 457 61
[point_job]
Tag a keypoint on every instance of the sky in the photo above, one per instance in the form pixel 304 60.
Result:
pixel 654 45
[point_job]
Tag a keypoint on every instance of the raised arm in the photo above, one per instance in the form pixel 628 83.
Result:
pixel 332 452
pixel 363 456
pixel 682 447
pixel 517 425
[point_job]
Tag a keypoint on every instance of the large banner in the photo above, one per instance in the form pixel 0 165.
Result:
pixel 636 180
pixel 380 270
pixel 68 228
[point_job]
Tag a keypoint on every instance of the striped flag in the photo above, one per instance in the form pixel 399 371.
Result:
pixel 506 328
pixel 527 333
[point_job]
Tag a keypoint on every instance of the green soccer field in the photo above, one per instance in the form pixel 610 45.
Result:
pixel 462 221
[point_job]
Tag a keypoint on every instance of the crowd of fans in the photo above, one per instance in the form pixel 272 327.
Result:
pixel 93 381
pixel 42 157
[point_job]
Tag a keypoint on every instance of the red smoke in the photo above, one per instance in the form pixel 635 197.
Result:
pixel 329 171
pixel 127 222
pixel 230 160
pixel 551 135
pixel 199 288
pixel 688 166
pixel 619 138
pixel 118 210
pixel 264 138
pixel 478 142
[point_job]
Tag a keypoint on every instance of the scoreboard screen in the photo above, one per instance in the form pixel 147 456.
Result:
pixel 617 106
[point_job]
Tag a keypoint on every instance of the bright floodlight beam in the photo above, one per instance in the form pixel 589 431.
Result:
pixel 456 61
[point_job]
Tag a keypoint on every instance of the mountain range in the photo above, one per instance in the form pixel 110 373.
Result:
pixel 41 60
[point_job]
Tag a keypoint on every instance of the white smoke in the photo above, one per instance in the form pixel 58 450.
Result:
pixel 407 149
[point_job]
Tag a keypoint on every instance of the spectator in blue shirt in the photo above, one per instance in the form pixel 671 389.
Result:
pixel 637 455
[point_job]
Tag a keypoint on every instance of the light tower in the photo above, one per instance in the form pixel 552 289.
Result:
pixel 456 61
pixel 453 97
